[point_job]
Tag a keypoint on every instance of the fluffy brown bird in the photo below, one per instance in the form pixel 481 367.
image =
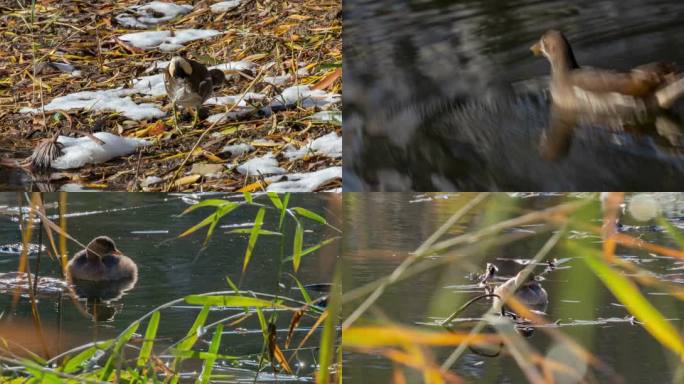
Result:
pixel 189 83
pixel 101 261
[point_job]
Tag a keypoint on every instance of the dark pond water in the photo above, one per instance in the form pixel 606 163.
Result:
pixel 145 226
pixel 446 95
pixel 382 229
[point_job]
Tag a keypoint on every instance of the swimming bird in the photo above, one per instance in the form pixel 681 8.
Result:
pixel 189 83
pixel 529 292
pixel 101 261
pixel 645 88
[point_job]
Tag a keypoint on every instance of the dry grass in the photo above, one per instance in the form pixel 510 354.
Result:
pixel 84 33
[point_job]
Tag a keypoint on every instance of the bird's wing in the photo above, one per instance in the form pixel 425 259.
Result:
pixel 640 82
pixel 168 83
pixel 205 88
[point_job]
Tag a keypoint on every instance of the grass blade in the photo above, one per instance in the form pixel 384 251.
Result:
pixel 208 365
pixel 254 235
pixel 233 301
pixel 150 334
pixel 310 215
pixel 297 246
pixel 629 295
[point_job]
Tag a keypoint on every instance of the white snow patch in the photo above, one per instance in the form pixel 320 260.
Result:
pixel 236 150
pixel 103 100
pixel 152 85
pixel 265 165
pixel 235 114
pixel 233 99
pixel 163 39
pixel 143 16
pixel 327 116
pixel 329 145
pixel 307 97
pixel 304 182
pixel 277 80
pixel 242 65
pixel 225 6
pixel 78 152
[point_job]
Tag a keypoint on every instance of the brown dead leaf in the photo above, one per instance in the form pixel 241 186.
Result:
pixel 329 79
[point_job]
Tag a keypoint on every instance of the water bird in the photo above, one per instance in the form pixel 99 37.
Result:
pixel 529 292
pixel 189 84
pixel 101 261
pixel 645 88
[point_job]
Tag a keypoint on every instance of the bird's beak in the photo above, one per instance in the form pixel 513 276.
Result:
pixel 536 49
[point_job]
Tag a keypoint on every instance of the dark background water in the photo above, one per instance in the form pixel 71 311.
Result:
pixel 445 95
pixel 382 229
pixel 145 227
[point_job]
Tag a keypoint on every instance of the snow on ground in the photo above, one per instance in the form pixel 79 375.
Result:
pixel 225 6
pixel 236 150
pixel 306 97
pixel 233 99
pixel 303 182
pixel 119 100
pixel 104 100
pixel 144 16
pixel 164 40
pixel 327 116
pixel 329 145
pixel 78 152
pixel 265 165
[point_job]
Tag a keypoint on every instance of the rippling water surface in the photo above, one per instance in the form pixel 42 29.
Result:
pixel 445 95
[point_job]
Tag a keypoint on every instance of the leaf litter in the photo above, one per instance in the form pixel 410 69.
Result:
pixel 69 70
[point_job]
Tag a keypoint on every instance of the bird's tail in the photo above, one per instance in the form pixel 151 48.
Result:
pixel 670 93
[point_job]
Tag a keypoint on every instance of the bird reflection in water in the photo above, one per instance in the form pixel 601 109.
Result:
pixel 635 102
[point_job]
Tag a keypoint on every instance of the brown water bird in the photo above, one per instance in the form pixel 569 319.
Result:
pixel 645 88
pixel 189 84
pixel 101 261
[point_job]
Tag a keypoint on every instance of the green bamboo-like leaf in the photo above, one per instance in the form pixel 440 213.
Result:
pixel 313 248
pixel 207 203
pixel 220 212
pixel 251 229
pixel 233 301
pixel 329 335
pixel 297 246
pixel 116 351
pixel 232 286
pixel 675 233
pixel 629 295
pixel 208 365
pixel 254 235
pixel 286 201
pixel 305 294
pixel 43 375
pixel 74 363
pixel 263 324
pixel 309 215
pixel 190 338
pixel 275 199
pixel 150 334
pixel 208 220
pixel 248 197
